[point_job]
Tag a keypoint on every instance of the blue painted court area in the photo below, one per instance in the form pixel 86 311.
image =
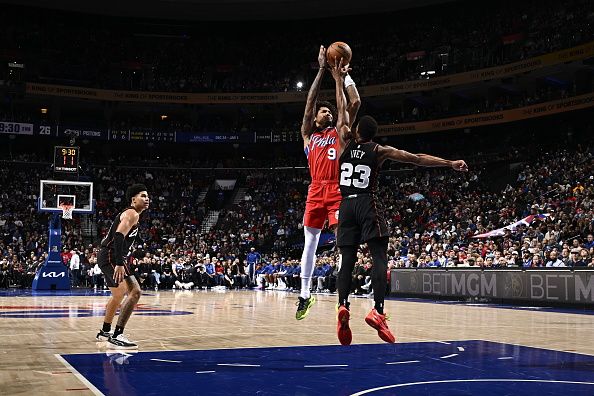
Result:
pixel 430 368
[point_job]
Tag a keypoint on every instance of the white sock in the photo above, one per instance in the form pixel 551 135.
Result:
pixel 308 258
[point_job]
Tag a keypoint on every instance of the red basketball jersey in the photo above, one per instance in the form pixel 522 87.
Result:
pixel 322 155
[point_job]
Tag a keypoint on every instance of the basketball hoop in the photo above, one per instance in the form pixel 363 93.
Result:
pixel 66 211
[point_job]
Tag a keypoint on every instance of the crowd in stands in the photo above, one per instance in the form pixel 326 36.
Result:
pixel 558 186
pixel 433 216
pixel 74 49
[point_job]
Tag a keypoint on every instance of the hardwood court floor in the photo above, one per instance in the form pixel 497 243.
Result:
pixel 212 320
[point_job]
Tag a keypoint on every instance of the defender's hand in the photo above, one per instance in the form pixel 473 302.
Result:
pixel 460 165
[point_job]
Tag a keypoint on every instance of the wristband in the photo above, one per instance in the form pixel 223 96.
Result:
pixel 348 81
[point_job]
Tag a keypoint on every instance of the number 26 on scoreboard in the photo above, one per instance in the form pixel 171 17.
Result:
pixel 45 130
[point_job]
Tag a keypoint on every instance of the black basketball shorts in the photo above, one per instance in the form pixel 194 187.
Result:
pixel 360 219
pixel 107 266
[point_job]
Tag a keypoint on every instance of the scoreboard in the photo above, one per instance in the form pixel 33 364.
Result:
pixel 66 159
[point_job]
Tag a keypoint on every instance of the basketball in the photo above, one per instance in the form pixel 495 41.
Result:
pixel 339 50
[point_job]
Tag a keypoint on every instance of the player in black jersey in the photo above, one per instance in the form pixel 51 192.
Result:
pixel 361 218
pixel 112 260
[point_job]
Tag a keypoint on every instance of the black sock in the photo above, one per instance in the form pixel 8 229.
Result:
pixel 106 327
pixel 379 307
pixel 345 303
pixel 349 258
pixel 118 330
pixel 378 248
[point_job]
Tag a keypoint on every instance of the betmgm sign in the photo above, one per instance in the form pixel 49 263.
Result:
pixel 559 286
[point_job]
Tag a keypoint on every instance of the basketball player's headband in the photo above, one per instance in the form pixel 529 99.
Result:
pixel 135 189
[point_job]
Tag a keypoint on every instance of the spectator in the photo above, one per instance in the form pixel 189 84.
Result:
pixel 554 261
pixel 74 268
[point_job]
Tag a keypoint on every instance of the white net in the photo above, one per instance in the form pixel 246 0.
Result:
pixel 67 211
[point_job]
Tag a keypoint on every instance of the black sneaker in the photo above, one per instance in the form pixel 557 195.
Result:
pixel 103 335
pixel 122 342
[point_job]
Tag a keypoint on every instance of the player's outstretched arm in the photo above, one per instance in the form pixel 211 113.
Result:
pixel 312 98
pixel 342 120
pixel 354 99
pixel 393 154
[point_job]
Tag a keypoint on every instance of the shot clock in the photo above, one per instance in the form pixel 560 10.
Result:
pixel 66 159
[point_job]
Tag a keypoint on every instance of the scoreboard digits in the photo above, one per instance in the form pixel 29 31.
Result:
pixel 66 159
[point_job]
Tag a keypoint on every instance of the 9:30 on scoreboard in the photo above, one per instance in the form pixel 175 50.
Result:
pixel 66 159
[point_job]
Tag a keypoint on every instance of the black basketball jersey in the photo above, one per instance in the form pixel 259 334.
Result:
pixel 107 242
pixel 359 168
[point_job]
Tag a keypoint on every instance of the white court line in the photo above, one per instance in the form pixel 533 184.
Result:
pixel 363 392
pixel 449 356
pixel 78 375
pixel 205 372
pixel 405 362
pixel 442 342
pixel 166 361
pixel 461 349
pixel 43 372
pixel 326 365
pixel 505 358
pixel 238 365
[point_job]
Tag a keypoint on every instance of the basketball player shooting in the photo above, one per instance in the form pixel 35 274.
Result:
pixel 361 218
pixel 112 260
pixel 321 144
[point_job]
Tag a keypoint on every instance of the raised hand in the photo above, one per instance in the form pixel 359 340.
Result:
pixel 460 165
pixel 339 71
pixel 322 57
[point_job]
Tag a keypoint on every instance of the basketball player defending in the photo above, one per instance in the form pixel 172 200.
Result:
pixel 112 261
pixel 361 218
pixel 321 143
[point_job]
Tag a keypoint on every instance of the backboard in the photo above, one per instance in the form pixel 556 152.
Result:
pixel 52 193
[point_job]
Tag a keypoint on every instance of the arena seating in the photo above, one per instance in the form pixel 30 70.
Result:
pixel 436 230
pixel 181 58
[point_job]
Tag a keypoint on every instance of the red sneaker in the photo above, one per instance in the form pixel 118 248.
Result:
pixel 344 331
pixel 378 322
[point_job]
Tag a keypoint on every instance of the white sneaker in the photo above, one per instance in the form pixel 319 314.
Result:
pixel 122 342
pixel 103 336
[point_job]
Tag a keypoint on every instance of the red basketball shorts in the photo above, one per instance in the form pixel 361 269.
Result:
pixel 323 201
